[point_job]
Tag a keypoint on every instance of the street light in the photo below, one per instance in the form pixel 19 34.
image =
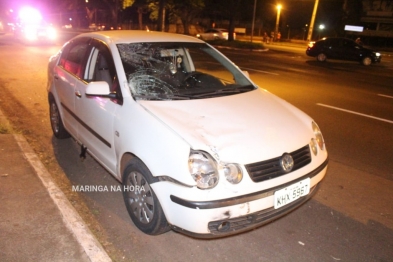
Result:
pixel 289 31
pixel 277 21
pixel 321 27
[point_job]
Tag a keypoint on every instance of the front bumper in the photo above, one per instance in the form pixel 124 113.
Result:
pixel 218 218
pixel 231 226
pixel 377 59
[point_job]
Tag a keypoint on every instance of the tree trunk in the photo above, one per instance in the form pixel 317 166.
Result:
pixel 231 29
pixel 185 26
pixel 140 15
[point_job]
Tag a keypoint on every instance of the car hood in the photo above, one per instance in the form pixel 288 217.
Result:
pixel 242 128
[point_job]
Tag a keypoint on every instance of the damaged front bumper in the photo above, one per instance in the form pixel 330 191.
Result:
pixel 260 204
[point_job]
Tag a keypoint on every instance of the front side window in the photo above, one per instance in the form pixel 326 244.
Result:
pixel 73 59
pixel 101 67
pixel 167 71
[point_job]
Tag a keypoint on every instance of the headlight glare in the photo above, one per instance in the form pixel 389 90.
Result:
pixel 51 33
pixel 203 170
pixel 233 173
pixel 318 135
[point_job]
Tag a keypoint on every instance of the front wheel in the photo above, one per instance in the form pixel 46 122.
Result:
pixel 55 120
pixel 141 201
pixel 366 61
pixel 321 57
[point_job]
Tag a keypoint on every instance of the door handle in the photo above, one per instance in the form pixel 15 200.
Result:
pixel 56 77
pixel 78 94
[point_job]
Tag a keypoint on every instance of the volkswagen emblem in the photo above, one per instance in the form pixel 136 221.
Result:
pixel 286 162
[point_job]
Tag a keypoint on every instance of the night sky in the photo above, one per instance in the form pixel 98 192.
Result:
pixel 295 13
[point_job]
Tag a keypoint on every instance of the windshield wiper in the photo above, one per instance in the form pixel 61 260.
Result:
pixel 225 91
pixel 161 97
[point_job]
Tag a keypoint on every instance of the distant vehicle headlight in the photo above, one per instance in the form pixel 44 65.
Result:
pixel 30 33
pixel 318 136
pixel 203 169
pixel 377 54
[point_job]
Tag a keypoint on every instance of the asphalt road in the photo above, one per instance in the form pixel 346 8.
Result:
pixel 349 219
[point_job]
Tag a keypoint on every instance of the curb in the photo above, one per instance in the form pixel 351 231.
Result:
pixel 71 218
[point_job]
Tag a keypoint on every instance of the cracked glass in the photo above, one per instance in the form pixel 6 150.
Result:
pixel 178 71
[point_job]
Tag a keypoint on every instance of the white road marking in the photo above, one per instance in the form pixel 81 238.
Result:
pixel 385 96
pixel 356 113
pixel 71 218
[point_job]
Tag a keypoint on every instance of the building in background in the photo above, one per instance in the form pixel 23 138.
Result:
pixel 375 22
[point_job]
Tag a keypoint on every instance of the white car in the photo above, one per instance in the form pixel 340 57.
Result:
pixel 215 33
pixel 198 147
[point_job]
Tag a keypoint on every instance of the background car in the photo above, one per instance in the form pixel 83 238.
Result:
pixel 30 27
pixel 35 33
pixel 197 146
pixel 342 49
pixel 215 33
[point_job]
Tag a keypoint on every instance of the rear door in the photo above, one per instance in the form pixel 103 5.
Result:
pixel 351 50
pixel 332 48
pixel 68 71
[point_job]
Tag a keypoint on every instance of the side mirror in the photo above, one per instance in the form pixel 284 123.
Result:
pixel 99 88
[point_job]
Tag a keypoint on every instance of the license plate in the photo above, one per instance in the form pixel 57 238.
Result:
pixel 289 194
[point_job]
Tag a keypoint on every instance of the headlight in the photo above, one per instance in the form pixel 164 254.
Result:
pixel 377 54
pixel 203 169
pixel 318 136
pixel 30 33
pixel 233 173
pixel 314 146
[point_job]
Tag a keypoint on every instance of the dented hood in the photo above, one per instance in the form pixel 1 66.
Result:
pixel 242 128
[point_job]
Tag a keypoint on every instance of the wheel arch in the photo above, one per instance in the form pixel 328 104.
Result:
pixel 125 160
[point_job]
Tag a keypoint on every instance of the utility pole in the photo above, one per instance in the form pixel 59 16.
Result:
pixel 161 16
pixel 253 20
pixel 311 28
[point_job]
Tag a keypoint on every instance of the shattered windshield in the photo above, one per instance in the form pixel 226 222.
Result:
pixel 176 71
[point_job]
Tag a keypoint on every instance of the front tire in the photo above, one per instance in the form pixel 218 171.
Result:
pixel 141 202
pixel 55 120
pixel 367 61
pixel 321 57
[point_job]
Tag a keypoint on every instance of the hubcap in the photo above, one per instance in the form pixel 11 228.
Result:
pixel 367 61
pixel 140 197
pixel 321 57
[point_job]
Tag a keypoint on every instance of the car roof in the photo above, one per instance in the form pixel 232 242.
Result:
pixel 137 36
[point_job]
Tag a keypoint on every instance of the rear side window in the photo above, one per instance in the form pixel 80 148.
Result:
pixel 73 57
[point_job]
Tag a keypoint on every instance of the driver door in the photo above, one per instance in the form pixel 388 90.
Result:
pixel 97 114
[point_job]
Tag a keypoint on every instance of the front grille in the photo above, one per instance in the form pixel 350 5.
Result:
pixel 271 168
